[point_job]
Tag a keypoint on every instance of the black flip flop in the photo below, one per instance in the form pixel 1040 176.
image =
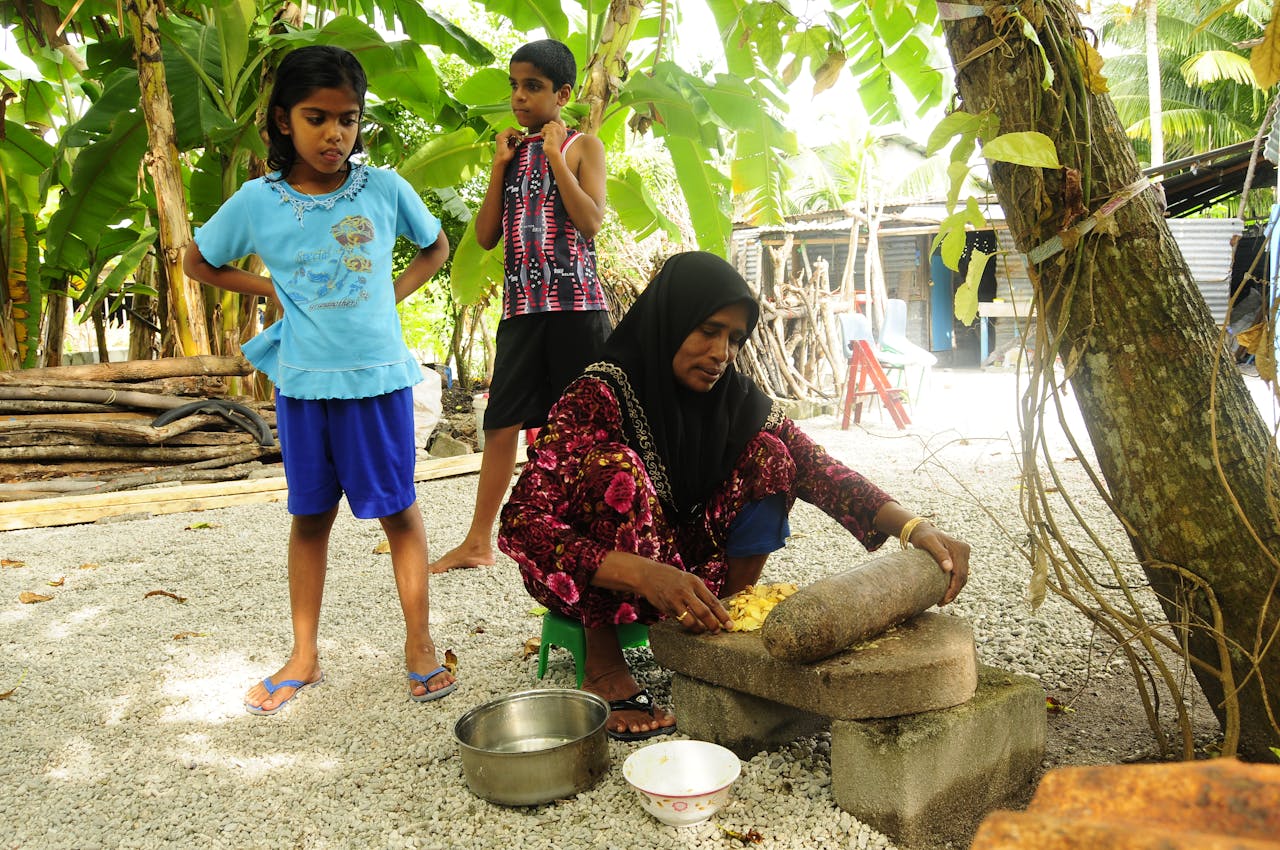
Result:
pixel 642 701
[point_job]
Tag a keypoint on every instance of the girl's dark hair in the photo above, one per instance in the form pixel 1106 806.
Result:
pixel 320 66
pixel 551 58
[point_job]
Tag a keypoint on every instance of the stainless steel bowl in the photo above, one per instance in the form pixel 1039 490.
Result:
pixel 534 746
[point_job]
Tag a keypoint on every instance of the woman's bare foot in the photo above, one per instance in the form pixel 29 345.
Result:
pixel 422 660
pixel 296 670
pixel 464 556
pixel 619 684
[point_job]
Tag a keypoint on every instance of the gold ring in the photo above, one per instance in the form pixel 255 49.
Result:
pixel 681 616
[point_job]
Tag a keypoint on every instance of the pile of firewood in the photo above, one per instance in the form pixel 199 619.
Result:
pixel 797 351
pixel 116 426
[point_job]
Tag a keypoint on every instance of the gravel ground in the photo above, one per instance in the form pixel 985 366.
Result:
pixel 124 727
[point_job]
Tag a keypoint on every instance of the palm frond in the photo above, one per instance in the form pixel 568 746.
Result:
pixel 1216 66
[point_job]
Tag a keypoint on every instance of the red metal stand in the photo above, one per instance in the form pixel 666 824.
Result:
pixel 864 367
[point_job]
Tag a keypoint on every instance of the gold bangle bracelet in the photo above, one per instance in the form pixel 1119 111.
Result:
pixel 904 536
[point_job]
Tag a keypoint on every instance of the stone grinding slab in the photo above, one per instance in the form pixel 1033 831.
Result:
pixel 924 664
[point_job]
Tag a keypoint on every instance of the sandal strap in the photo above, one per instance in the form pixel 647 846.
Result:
pixel 642 701
pixel 423 678
pixel 272 687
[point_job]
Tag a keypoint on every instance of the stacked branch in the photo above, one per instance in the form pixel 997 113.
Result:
pixel 796 350
pixel 113 426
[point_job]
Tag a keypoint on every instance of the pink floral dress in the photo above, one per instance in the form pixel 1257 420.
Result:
pixel 584 493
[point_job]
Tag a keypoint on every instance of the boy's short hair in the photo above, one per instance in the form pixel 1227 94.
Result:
pixel 552 58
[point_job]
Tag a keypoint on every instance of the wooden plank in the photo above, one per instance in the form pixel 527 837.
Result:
pixel 1003 308
pixel 70 510
pixel 446 467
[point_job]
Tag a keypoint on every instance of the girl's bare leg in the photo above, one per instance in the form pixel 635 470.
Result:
pixel 408 541
pixel 308 563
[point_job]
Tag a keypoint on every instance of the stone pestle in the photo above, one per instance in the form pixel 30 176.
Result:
pixel 836 612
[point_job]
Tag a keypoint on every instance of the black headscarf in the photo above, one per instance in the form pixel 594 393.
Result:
pixel 689 440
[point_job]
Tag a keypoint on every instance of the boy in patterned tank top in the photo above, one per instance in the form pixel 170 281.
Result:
pixel 545 201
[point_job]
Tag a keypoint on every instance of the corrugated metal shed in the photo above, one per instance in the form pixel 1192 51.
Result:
pixel 1206 246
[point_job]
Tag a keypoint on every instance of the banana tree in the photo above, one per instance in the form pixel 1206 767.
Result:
pixel 722 131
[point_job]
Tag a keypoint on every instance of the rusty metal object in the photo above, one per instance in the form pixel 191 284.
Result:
pixel 836 612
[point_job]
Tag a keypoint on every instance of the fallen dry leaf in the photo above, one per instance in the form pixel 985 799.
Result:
pixel 90 566
pixel 26 597
pixel 14 689
pixel 195 526
pixel 58 582
pixel 382 548
pixel 450 662
pixel 152 593
pixel 751 836
pixel 531 647
pixel 5 562
pixel 185 635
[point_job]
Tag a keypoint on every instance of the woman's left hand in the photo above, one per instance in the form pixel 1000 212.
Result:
pixel 951 554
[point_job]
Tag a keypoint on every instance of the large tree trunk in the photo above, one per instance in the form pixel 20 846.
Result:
pixel 1191 483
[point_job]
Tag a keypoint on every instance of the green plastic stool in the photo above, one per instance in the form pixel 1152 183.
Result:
pixel 558 630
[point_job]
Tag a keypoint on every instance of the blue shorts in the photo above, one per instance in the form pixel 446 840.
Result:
pixel 759 528
pixel 362 447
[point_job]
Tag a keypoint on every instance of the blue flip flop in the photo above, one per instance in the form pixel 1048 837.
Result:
pixel 298 687
pixel 430 695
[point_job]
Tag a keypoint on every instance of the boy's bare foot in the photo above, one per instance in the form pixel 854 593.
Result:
pixel 464 556
pixel 619 684
pixel 422 661
pixel 301 671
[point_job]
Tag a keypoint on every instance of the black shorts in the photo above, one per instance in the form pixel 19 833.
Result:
pixel 538 355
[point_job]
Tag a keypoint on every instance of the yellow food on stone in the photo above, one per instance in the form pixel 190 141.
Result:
pixel 750 606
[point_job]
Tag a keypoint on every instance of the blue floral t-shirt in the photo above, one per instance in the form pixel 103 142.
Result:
pixel 329 257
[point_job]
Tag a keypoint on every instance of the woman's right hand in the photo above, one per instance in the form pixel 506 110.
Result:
pixel 679 595
pixel 686 599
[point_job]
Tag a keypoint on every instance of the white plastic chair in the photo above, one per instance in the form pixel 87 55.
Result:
pixel 898 351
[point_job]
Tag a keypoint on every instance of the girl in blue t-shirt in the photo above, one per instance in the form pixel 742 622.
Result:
pixel 325 228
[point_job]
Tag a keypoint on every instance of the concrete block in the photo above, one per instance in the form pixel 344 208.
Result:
pixel 744 723
pixel 931 777
pixel 924 664
pixel 807 408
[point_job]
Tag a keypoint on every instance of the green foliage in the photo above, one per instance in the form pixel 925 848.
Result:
pixel 437 95
pixel 630 199
pixel 951 232
pixel 966 300
pixel 1025 148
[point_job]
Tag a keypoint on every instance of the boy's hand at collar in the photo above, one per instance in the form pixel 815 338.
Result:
pixel 553 135
pixel 507 142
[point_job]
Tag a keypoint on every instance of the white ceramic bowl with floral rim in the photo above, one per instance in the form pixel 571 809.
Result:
pixel 682 783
